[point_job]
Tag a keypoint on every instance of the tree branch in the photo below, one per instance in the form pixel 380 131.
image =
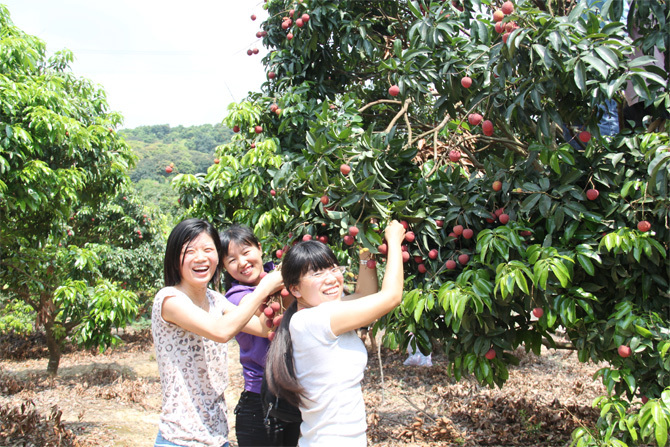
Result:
pixel 395 119
pixel 559 345
pixel 380 101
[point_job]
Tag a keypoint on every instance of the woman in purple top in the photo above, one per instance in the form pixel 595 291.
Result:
pixel 243 263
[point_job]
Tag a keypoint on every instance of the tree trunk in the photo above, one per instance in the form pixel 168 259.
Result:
pixel 53 344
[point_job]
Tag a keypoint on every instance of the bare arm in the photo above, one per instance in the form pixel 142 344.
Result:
pixel 182 312
pixel 350 315
pixel 367 282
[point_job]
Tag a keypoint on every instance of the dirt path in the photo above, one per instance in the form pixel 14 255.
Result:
pixel 113 399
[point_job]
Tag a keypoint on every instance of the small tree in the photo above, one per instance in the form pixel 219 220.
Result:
pixel 60 154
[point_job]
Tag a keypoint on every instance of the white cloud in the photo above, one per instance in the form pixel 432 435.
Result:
pixel 159 61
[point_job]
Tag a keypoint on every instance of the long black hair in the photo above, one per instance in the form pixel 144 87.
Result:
pixel 279 365
pixel 240 235
pixel 183 233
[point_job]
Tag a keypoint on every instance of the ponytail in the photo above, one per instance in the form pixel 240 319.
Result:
pixel 279 367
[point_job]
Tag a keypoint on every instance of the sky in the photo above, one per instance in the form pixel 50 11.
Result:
pixel 160 62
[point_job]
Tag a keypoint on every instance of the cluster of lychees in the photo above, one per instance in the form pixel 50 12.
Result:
pixel 273 310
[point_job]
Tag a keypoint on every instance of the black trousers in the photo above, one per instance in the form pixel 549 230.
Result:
pixel 252 428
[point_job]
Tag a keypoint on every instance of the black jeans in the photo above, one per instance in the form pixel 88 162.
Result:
pixel 253 429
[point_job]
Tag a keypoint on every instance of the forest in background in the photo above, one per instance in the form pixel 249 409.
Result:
pixel 188 150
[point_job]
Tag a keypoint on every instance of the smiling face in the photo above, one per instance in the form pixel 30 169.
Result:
pixel 244 262
pixel 199 261
pixel 316 287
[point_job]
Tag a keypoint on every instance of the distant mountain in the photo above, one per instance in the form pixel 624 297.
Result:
pixel 188 150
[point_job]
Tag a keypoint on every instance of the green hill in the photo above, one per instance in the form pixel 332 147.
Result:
pixel 188 150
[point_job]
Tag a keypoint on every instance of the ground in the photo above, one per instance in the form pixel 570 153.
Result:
pixel 113 399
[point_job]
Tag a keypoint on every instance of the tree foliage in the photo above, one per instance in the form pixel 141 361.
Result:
pixel 423 158
pixel 63 197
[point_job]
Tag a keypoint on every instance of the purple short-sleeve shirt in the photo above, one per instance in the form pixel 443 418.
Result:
pixel 253 349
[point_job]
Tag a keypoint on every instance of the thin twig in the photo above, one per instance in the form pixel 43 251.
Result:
pixel 409 128
pixel 419 409
pixel 381 367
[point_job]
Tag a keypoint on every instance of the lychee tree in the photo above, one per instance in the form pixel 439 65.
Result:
pixel 64 220
pixel 511 154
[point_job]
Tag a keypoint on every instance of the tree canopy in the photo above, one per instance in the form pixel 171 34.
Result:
pixel 480 130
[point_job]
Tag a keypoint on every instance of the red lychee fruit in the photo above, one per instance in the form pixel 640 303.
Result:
pixel 592 194
pixel 394 90
pixel 503 218
pixel 466 81
pixel 491 354
pixel 584 136
pixel 474 119
pixel 454 155
pixel 644 226
pixel 487 128
pixel 450 264
pixel 497 185
pixel 463 259
pixel 624 351
pixel 538 312
pixel 507 8
pixel 458 230
pixel 433 254
pixel 345 169
pixel 468 233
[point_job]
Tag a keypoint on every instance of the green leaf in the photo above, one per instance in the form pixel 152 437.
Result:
pixel 580 75
pixel 597 64
pixel 661 429
pixel 608 56
pixel 586 264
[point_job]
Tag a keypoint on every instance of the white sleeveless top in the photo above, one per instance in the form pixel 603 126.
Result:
pixel 194 374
